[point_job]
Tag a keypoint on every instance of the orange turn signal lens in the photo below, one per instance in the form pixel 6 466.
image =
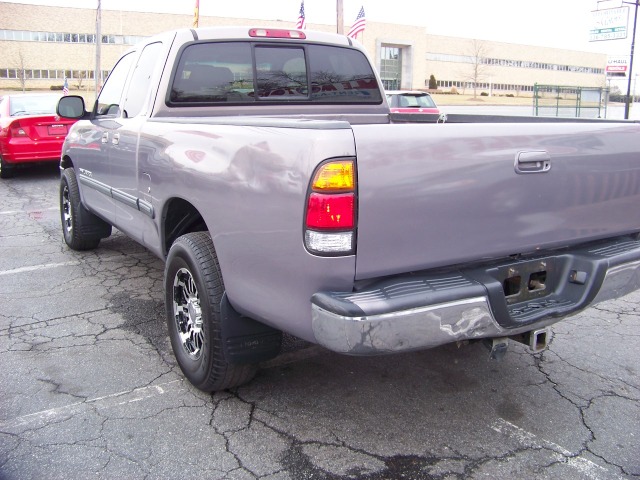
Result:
pixel 335 176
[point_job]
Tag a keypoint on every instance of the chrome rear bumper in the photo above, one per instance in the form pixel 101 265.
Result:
pixel 421 312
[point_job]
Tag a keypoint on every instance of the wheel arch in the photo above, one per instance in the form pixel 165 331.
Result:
pixel 178 218
pixel 66 162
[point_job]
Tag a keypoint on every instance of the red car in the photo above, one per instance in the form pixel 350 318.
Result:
pixel 410 101
pixel 30 130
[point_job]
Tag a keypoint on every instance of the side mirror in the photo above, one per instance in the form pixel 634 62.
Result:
pixel 71 106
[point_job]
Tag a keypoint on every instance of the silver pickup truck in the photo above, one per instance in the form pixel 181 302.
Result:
pixel 265 168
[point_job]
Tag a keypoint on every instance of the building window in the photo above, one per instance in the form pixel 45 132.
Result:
pixel 29 36
pixel 391 67
pixel 502 62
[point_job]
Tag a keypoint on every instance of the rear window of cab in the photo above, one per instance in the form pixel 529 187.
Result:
pixel 211 73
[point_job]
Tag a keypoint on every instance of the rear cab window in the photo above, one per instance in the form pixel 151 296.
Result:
pixel 229 72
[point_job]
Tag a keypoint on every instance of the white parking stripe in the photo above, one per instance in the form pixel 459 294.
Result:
pixel 14 212
pixel 112 400
pixel 35 268
pixel 583 465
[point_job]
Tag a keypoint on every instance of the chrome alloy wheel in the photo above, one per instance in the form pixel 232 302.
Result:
pixel 187 313
pixel 66 210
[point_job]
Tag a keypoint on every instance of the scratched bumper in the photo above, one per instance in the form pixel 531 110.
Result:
pixel 420 312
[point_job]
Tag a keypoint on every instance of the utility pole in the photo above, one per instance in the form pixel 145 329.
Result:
pixel 627 105
pixel 340 17
pixel 98 72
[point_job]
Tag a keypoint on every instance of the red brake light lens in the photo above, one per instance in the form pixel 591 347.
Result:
pixel 335 212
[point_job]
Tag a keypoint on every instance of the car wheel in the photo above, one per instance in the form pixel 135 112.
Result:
pixel 5 170
pixel 81 229
pixel 193 294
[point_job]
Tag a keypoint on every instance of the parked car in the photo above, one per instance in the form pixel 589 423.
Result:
pixel 30 130
pixel 410 101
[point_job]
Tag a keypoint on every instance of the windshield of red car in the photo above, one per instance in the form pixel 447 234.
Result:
pixel 33 105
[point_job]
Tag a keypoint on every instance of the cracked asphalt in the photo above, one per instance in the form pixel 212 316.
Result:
pixel 89 387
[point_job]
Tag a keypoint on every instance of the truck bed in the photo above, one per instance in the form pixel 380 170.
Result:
pixel 445 194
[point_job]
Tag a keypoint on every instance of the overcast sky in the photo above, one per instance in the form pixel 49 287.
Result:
pixel 551 23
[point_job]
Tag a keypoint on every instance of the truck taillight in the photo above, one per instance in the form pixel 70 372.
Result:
pixel 330 219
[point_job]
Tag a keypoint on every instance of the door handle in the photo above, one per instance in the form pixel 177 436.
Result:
pixel 536 161
pixel 105 137
pixel 116 139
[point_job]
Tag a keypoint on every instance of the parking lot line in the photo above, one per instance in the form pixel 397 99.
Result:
pixel 14 212
pixel 583 465
pixel 35 268
pixel 112 400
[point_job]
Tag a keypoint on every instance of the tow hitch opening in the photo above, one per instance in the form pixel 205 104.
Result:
pixel 536 340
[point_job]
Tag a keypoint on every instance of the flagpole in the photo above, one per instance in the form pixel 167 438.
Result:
pixel 340 17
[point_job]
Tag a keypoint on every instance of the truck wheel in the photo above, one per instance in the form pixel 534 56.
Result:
pixel 5 170
pixel 193 292
pixel 81 229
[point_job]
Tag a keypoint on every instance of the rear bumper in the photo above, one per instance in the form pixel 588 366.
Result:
pixel 29 152
pixel 423 311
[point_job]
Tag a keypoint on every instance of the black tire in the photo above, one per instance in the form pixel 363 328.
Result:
pixel 193 292
pixel 81 229
pixel 5 170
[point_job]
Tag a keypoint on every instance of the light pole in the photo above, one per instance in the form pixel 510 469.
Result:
pixel 98 73
pixel 633 43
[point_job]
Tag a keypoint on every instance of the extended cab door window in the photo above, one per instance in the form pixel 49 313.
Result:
pixel 108 103
pixel 141 80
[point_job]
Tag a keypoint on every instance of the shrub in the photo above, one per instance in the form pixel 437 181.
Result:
pixel 56 87
pixel 484 94
pixel 433 84
pixel 510 95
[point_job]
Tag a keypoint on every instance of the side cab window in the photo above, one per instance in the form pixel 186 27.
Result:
pixel 108 102
pixel 140 84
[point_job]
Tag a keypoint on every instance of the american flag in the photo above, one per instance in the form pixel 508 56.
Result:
pixel 65 87
pixel 301 25
pixel 358 25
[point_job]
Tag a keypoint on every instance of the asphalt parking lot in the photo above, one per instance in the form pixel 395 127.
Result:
pixel 89 387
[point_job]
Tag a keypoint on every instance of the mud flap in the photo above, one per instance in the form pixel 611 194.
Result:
pixel 246 340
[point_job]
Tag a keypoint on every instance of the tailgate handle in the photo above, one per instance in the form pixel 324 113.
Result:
pixel 537 161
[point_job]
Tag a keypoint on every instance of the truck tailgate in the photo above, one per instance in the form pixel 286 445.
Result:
pixel 445 194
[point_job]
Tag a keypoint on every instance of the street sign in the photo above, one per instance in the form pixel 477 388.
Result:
pixel 609 24
pixel 617 66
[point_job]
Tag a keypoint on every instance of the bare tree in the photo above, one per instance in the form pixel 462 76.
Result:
pixel 82 74
pixel 478 68
pixel 22 73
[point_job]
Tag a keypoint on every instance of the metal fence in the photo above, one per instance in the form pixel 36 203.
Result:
pixel 568 101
